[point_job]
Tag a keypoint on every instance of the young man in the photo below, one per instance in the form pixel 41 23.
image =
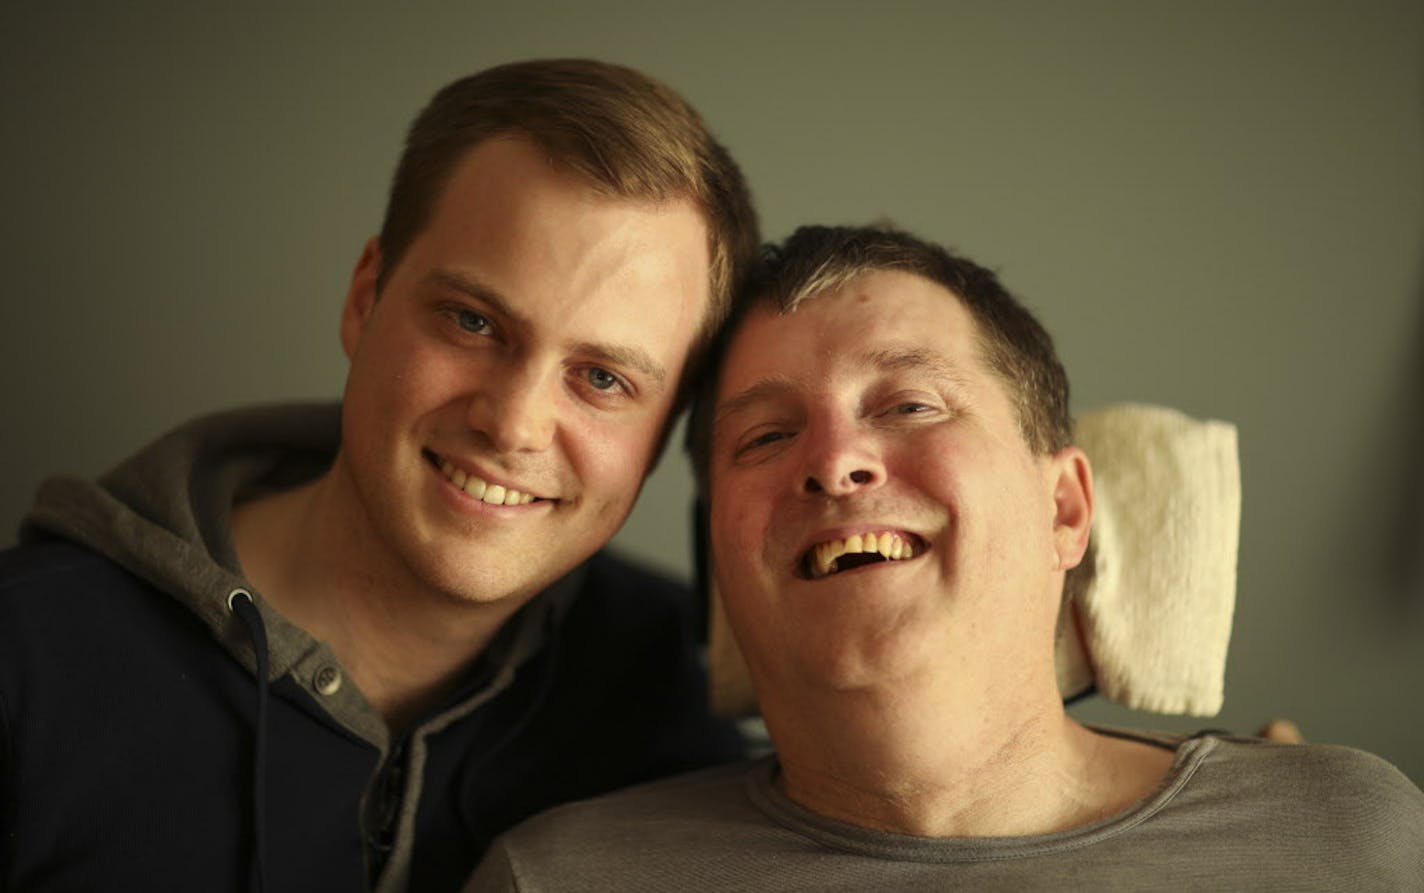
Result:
pixel 894 502
pixel 325 647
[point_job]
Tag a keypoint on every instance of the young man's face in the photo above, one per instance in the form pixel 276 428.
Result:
pixel 509 385
pixel 870 412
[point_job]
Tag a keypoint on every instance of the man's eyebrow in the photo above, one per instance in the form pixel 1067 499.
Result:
pixel 896 358
pixel 766 390
pixel 475 289
pixel 625 356
pixel 622 355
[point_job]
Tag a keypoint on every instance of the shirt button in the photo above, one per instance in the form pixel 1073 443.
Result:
pixel 327 680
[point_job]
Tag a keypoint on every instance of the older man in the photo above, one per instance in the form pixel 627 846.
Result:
pixel 340 648
pixel 894 502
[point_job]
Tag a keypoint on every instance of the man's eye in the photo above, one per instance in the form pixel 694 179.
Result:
pixel 909 408
pixel 602 379
pixel 475 323
pixel 764 439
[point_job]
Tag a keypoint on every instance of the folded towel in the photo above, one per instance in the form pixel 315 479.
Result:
pixel 1154 600
pixel 1150 614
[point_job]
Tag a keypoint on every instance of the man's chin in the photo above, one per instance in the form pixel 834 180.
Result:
pixel 464 586
pixel 507 581
pixel 491 563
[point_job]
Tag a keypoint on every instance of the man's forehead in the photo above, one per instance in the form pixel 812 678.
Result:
pixel 879 317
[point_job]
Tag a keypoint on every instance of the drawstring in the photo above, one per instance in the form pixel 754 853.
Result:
pixel 239 601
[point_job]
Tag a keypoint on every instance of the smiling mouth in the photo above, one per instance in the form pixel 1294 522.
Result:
pixel 478 488
pixel 857 550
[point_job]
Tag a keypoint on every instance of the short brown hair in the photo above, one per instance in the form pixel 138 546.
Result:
pixel 627 134
pixel 819 258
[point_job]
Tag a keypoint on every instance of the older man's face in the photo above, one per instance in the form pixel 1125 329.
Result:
pixel 874 506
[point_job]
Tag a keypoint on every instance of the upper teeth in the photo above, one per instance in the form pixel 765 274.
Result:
pixel 483 490
pixel 889 545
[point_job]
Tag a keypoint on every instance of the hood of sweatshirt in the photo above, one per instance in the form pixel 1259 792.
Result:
pixel 163 514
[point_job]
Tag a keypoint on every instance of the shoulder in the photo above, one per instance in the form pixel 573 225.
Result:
pixel 644 713
pixel 64 606
pixel 1320 773
pixel 48 562
pixel 1341 800
pixel 627 838
pixel 614 575
pixel 711 794
pixel 48 576
pixel 620 599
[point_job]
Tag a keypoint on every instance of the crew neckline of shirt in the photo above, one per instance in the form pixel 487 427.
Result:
pixel 765 796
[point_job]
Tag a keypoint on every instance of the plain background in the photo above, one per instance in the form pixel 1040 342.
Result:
pixel 1217 206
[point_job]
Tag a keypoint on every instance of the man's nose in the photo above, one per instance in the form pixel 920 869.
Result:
pixel 841 460
pixel 517 413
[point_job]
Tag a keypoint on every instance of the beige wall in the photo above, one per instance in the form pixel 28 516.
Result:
pixel 1213 205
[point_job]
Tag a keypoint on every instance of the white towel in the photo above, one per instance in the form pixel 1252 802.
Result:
pixel 1151 617
pixel 1156 617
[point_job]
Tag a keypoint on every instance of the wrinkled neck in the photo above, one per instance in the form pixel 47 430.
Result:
pixel 934 757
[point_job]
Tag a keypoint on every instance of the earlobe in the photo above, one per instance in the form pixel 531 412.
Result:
pixel 1073 506
pixel 361 296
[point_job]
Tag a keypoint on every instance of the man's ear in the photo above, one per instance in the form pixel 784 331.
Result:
pixel 361 297
pixel 1072 479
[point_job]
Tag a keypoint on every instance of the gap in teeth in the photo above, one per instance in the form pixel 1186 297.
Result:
pixel 888 544
pixel 477 487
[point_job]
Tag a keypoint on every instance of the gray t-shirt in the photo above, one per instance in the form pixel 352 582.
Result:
pixel 1233 814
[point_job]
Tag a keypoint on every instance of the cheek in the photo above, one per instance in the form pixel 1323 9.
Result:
pixel 396 374
pixel 937 470
pixel 740 579
pixel 610 460
pixel 741 528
